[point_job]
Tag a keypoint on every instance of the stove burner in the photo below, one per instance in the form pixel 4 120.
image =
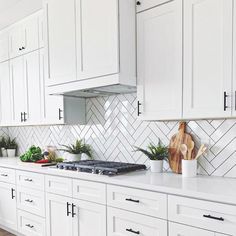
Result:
pixel 100 167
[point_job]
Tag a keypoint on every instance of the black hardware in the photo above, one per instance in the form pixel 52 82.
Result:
pixel 12 193
pixel 20 49
pixel 139 104
pixel 67 209
pixel 60 116
pixel 21 117
pixel 131 200
pixel 30 226
pixel 25 114
pixel 132 231
pixel 28 180
pixel 138 3
pixel 28 200
pixel 73 210
pixel 225 101
pixel 23 48
pixel 214 218
pixel 4 175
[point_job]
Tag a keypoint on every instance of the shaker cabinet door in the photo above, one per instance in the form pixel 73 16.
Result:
pixel 160 62
pixel 208 49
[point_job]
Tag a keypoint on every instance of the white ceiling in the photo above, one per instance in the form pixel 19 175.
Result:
pixel 6 4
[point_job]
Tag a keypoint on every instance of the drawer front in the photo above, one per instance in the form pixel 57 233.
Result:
pixel 32 201
pixel 89 191
pixel 7 175
pixel 124 223
pixel 30 180
pixel 140 201
pixel 59 185
pixel 143 5
pixel 183 230
pixel 31 225
pixel 203 214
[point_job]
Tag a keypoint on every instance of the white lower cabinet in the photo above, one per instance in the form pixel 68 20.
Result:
pixel 124 223
pixel 8 215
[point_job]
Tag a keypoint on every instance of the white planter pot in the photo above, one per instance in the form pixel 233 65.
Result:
pixel 156 166
pixel 72 157
pixel 189 168
pixel 11 152
pixel 4 152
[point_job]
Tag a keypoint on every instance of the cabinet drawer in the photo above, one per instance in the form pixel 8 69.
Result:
pixel 124 223
pixel 144 202
pixel 30 200
pixel 146 4
pixel 203 214
pixel 31 225
pixel 30 180
pixel 59 185
pixel 7 175
pixel 89 191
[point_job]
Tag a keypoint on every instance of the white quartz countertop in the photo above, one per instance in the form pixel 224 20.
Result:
pixel 217 189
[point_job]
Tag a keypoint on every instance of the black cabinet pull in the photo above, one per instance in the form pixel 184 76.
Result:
pixel 133 231
pixel 28 200
pixel 12 193
pixel 20 49
pixel 59 113
pixel 139 104
pixel 30 226
pixel 25 114
pixel 28 180
pixel 4 175
pixel 132 200
pixel 73 210
pixel 68 209
pixel 225 101
pixel 21 117
pixel 138 3
pixel 214 218
pixel 23 48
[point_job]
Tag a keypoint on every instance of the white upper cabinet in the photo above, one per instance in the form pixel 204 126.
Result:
pixel 208 49
pixel 160 62
pixel 4 45
pixel 61 41
pixel 97 38
pixel 5 94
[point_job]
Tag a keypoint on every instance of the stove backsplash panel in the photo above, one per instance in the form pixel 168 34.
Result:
pixel 113 130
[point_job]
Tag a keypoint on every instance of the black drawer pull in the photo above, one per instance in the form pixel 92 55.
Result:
pixel 132 231
pixel 28 180
pixel 30 226
pixel 12 193
pixel 214 218
pixel 225 101
pixel 4 175
pixel 131 200
pixel 28 200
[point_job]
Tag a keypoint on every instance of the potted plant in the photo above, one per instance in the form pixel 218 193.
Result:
pixel 156 154
pixel 11 147
pixel 75 150
pixel 3 147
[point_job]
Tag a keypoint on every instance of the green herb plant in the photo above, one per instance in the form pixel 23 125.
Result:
pixel 11 143
pixel 32 155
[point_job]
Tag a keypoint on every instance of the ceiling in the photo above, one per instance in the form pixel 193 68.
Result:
pixel 6 4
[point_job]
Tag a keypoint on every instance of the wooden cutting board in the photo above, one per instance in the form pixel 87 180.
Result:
pixel 175 155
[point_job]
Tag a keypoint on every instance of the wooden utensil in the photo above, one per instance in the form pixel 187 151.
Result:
pixel 190 146
pixel 184 150
pixel 201 151
pixel 175 155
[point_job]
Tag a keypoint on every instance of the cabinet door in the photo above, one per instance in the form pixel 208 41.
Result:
pixel 58 218
pixel 160 62
pixel 34 92
pixel 16 40
pixel 17 72
pixel 207 58
pixel 8 217
pixel 177 230
pixel 97 38
pixel 4 45
pixel 5 95
pixel 61 41
pixel 87 213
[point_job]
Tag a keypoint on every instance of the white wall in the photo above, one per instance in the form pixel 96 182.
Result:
pixel 18 11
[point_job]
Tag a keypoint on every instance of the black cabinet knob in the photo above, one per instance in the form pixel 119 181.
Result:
pixel 138 3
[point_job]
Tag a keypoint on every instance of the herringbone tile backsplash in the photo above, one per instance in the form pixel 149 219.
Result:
pixel 113 129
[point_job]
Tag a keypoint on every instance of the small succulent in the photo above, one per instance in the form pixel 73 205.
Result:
pixel 155 152
pixel 78 148
pixel 11 143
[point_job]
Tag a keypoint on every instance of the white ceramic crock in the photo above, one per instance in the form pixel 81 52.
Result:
pixel 156 166
pixel 72 157
pixel 189 168
pixel 11 152
pixel 4 152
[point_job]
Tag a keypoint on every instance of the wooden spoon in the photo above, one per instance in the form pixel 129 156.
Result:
pixel 190 149
pixel 201 151
pixel 184 150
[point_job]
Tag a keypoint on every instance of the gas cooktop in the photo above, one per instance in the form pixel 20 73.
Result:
pixel 100 167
